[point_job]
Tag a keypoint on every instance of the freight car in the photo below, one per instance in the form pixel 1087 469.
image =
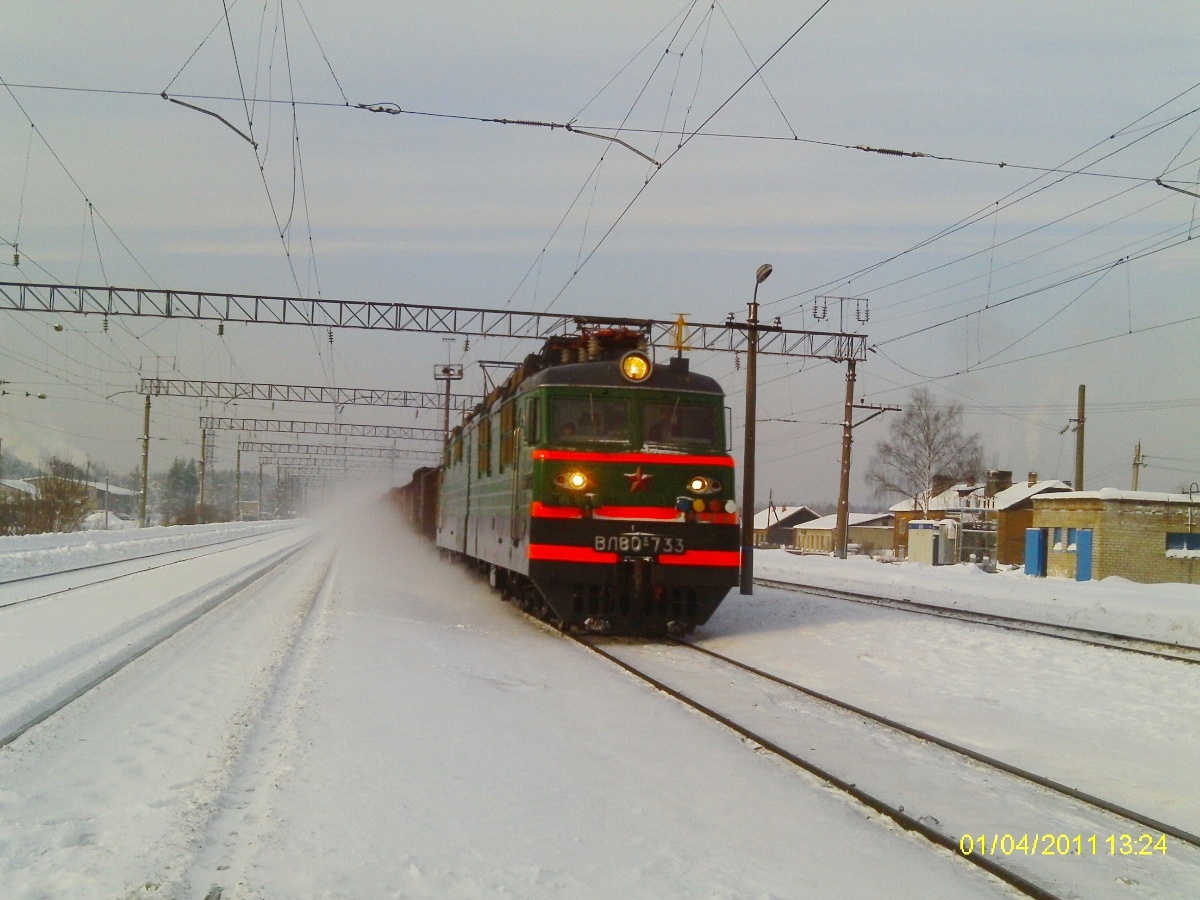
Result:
pixel 594 487
pixel 417 501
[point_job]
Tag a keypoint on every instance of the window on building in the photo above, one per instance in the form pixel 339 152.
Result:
pixel 1183 545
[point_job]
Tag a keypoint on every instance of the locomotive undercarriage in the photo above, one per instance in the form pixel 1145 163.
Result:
pixel 633 597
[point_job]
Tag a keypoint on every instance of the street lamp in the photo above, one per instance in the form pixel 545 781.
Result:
pixel 747 585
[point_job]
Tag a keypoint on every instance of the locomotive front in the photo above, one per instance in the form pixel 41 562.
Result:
pixel 633 525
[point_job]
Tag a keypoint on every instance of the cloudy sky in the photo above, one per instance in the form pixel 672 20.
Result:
pixel 998 287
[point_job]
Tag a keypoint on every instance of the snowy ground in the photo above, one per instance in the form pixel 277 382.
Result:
pixel 1166 612
pixel 394 730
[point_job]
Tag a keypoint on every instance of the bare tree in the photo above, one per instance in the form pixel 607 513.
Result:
pixel 924 443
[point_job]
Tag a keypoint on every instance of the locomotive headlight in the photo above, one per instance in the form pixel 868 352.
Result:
pixel 636 366
pixel 699 484
pixel 573 481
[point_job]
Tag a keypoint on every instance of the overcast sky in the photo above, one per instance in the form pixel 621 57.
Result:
pixel 1000 288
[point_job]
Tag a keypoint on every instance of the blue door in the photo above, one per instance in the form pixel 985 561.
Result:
pixel 1083 554
pixel 1035 552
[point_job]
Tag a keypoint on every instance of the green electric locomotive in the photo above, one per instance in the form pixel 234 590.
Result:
pixel 596 488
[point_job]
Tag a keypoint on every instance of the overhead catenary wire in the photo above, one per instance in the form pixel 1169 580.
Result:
pixel 1021 194
pixel 572 126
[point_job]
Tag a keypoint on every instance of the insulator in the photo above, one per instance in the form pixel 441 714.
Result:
pixel 593 346
pixel 220 329
pixel 106 324
pixel 329 334
pixel 16 258
pixel 466 344
pixel 737 361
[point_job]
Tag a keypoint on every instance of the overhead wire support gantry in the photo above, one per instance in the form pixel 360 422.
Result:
pixel 341 429
pixel 302 393
pixel 336 450
pixel 410 317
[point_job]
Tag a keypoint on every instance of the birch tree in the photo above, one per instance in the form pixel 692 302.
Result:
pixel 924 442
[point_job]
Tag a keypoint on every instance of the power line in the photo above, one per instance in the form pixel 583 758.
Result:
pixel 1020 194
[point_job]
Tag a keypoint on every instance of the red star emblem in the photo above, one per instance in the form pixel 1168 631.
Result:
pixel 638 480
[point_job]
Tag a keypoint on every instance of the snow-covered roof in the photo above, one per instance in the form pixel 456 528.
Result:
pixel 828 523
pixel 1020 492
pixel 111 489
pixel 973 496
pixel 773 515
pixel 98 486
pixel 18 485
pixel 955 497
pixel 1129 496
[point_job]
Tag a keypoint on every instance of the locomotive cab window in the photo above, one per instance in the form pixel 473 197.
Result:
pixel 687 426
pixel 589 419
pixel 533 431
pixel 508 436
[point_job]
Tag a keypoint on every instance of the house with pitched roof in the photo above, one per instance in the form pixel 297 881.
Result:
pixel 993 515
pixel 772 526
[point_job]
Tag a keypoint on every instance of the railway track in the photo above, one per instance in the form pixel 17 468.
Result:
pixel 239 540
pixel 56 689
pixel 1183 653
pixel 956 798
pixel 185 556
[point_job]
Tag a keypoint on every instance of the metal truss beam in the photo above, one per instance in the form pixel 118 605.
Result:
pixel 467 321
pixel 342 464
pixel 296 393
pixel 330 450
pixel 343 429
pixel 382 467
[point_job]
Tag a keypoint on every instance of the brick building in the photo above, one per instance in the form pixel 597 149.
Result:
pixel 1140 535
pixel 773 525
pixel 867 533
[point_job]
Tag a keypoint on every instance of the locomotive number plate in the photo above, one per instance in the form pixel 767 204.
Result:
pixel 637 544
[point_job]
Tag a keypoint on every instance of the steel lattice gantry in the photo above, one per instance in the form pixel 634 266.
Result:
pixel 337 464
pixel 752 337
pixel 335 450
pixel 341 429
pixel 298 393
pixel 466 321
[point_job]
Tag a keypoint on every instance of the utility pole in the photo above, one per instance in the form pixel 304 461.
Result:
pixel 747 574
pixel 841 538
pixel 237 491
pixel 843 509
pixel 203 463
pixel 1079 439
pixel 145 461
pixel 1138 462
pixel 447 373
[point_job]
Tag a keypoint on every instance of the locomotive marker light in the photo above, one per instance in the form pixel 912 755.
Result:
pixel 575 481
pixel 747 582
pixel 636 366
